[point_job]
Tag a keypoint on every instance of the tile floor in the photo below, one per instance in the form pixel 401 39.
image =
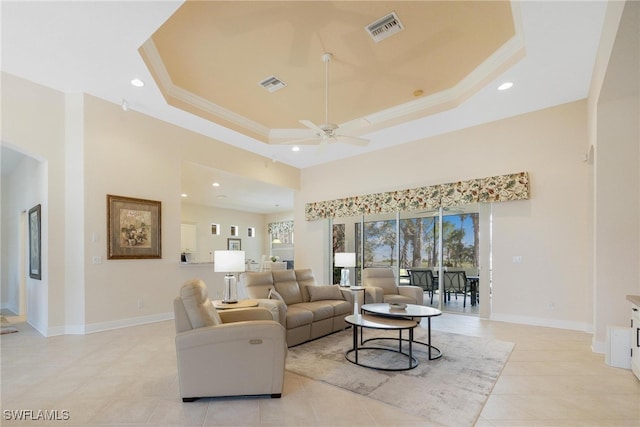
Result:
pixel 128 377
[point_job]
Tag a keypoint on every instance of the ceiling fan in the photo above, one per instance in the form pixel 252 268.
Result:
pixel 327 132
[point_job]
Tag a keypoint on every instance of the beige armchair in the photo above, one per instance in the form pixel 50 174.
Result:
pixel 384 278
pixel 234 352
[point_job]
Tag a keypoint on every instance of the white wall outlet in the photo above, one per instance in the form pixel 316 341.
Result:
pixel 140 303
pixel 96 259
pixel 517 259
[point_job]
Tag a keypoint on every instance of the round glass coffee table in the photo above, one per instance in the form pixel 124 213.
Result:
pixel 365 321
pixel 409 312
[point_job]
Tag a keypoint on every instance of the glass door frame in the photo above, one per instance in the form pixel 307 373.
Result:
pixel 484 247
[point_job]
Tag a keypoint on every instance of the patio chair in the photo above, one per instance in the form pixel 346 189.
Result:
pixel 424 279
pixel 455 282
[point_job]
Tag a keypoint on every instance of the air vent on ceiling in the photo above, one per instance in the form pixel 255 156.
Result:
pixel 384 27
pixel 272 84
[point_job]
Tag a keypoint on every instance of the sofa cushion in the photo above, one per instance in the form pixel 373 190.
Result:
pixel 324 292
pixel 273 294
pixel 320 310
pixel 286 284
pixel 199 308
pixel 341 307
pixel 297 316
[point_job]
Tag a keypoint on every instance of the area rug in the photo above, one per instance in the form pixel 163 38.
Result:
pixel 5 326
pixel 450 391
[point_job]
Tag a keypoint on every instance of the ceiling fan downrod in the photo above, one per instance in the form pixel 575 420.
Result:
pixel 326 57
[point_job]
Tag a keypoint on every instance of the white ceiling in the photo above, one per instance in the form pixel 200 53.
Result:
pixel 92 47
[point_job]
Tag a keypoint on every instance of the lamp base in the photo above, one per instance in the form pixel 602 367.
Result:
pixel 230 290
pixel 344 278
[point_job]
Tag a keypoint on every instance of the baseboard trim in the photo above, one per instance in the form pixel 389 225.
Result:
pixel 599 347
pixel 537 321
pixel 115 324
pixel 125 323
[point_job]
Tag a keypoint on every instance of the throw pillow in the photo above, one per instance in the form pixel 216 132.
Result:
pixel 273 294
pixel 324 292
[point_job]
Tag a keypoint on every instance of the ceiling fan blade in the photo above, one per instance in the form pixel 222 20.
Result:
pixel 311 125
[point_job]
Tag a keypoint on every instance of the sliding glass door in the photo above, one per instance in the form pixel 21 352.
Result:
pixel 438 250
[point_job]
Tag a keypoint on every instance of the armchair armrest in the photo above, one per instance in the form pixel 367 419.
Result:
pixel 244 314
pixel 218 335
pixel 277 308
pixel 415 292
pixel 373 295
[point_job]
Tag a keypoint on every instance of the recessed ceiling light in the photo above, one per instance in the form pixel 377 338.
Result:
pixel 137 83
pixel 216 184
pixel 221 196
pixel 505 86
pixel 183 195
pixel 295 148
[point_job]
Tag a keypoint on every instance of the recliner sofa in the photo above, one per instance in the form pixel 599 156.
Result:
pixel 306 310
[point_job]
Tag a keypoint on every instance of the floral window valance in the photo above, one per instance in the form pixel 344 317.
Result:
pixel 282 231
pixel 484 190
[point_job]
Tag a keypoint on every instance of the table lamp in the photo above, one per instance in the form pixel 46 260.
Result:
pixel 344 260
pixel 229 262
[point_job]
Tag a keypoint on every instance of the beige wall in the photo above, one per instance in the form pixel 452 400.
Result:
pixel 33 123
pixel 129 154
pixel 109 151
pixel 203 216
pixel 615 132
pixel 549 231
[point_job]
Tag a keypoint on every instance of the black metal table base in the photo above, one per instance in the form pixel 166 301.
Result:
pixel 352 355
pixel 434 352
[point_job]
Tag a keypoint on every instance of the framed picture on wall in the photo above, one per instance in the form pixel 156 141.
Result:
pixel 35 244
pixel 234 244
pixel 133 228
pixel 215 229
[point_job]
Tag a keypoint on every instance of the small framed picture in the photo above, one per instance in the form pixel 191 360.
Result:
pixel 215 229
pixel 251 232
pixel 35 245
pixel 234 244
pixel 235 231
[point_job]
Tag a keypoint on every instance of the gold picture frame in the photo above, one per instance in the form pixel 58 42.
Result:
pixel 133 228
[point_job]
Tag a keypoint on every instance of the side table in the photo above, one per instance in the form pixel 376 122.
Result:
pixel 354 291
pixel 243 303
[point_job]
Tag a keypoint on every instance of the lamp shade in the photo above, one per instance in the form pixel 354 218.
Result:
pixel 228 261
pixel 345 259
